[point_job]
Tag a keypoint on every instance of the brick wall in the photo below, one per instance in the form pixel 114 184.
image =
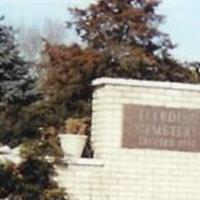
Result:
pixel 139 174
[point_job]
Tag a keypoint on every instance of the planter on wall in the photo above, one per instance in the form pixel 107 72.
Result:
pixel 72 145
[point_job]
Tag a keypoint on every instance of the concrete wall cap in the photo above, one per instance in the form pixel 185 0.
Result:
pixel 84 162
pixel 145 83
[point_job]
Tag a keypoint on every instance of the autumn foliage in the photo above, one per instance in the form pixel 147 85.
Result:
pixel 121 39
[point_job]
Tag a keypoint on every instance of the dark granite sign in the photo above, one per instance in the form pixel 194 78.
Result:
pixel 156 127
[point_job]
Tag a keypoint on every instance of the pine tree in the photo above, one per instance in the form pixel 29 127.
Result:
pixel 16 82
pixel 19 125
pixel 127 34
pixel 128 27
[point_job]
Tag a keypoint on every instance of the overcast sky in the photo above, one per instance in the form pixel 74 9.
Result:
pixel 182 19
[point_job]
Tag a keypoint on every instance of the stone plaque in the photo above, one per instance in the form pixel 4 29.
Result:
pixel 154 127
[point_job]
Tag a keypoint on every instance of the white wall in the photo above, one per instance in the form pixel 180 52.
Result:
pixel 139 174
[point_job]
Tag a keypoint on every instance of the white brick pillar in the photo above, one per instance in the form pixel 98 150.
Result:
pixel 111 95
pixel 107 119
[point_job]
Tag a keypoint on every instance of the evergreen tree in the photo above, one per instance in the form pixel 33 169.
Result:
pixel 16 82
pixel 127 34
pixel 124 28
pixel 19 125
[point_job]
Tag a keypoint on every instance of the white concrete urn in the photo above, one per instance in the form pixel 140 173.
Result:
pixel 72 144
